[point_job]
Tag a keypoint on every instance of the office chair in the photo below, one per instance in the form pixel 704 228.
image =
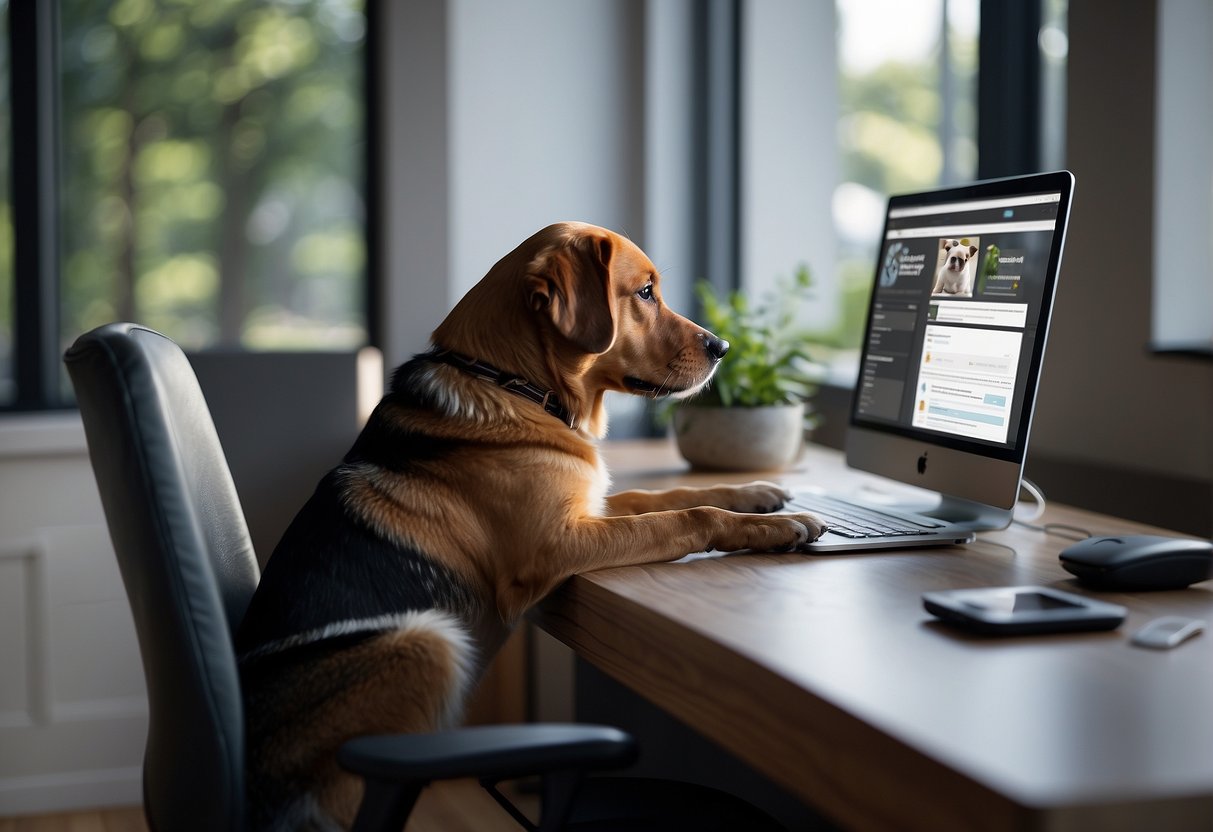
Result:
pixel 189 570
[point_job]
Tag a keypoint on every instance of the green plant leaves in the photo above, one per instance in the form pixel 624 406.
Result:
pixel 767 362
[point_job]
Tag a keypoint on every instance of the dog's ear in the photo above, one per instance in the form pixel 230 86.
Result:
pixel 972 250
pixel 947 244
pixel 570 282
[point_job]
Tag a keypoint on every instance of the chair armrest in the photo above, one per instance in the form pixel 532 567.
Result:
pixel 491 751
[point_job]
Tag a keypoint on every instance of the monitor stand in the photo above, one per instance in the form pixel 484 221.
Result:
pixel 967 514
pixel 975 517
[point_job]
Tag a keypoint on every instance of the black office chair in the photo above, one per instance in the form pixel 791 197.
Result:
pixel 189 569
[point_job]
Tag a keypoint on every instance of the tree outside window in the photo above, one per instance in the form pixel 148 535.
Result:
pixel 907 79
pixel 213 170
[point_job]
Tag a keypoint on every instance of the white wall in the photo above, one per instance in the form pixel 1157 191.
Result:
pixel 73 711
pixel 1183 213
pixel 520 114
pixel 789 147
pixel 73 705
pixel 416 214
pixel 669 161
pixel 503 118
pixel 546 123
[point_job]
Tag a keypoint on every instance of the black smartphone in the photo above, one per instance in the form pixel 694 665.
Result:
pixel 1018 610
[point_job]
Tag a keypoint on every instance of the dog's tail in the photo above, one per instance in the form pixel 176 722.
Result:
pixel 407 675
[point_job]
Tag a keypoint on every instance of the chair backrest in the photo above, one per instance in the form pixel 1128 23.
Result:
pixel 186 560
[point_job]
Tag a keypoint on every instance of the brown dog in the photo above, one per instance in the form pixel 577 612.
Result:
pixel 473 491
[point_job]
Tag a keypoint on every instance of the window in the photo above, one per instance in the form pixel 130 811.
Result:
pixel 907 76
pixel 927 93
pixel 210 174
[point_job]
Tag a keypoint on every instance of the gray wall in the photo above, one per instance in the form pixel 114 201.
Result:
pixel 1116 427
pixel 502 118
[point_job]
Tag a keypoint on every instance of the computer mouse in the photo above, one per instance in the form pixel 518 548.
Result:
pixel 1139 561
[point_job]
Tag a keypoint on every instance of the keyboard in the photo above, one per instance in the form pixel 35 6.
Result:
pixel 849 520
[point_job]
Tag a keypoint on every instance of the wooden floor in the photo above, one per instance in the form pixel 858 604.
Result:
pixel 453 806
pixel 102 820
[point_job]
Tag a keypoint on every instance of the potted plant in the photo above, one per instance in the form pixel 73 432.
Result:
pixel 754 414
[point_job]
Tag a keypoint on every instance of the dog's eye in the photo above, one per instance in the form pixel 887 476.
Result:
pixel 646 293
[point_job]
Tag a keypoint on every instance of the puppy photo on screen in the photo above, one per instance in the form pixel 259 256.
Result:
pixel 954 275
pixel 474 490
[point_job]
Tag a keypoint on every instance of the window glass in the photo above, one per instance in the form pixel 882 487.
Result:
pixel 212 181
pixel 907 79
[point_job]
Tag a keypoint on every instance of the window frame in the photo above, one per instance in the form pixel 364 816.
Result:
pixel 33 57
pixel 33 33
pixel 1010 97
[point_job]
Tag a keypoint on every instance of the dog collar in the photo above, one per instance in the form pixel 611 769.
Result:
pixel 515 384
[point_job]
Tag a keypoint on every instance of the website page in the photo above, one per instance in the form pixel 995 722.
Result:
pixel 954 320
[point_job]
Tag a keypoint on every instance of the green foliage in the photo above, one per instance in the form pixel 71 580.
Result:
pixel 767 362
pixel 891 119
pixel 213 169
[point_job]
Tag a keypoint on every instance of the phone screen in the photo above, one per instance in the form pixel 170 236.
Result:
pixel 1012 601
pixel 1022 609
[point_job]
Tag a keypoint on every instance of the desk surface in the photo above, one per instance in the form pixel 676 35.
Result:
pixel 825 673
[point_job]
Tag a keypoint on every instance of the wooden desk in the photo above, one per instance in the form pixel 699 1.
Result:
pixel 826 674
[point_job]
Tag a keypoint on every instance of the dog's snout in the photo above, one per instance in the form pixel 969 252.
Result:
pixel 716 347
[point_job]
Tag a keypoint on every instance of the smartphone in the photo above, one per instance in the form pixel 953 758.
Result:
pixel 1019 610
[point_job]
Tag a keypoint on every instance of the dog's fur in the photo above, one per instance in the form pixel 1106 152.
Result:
pixel 461 504
pixel 955 275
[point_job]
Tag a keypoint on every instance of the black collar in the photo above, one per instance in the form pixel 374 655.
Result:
pixel 515 384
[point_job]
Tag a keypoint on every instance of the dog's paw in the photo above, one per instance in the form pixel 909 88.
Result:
pixel 757 497
pixel 813 525
pixel 816 528
pixel 778 533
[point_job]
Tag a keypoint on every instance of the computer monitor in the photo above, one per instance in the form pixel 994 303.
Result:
pixel 960 311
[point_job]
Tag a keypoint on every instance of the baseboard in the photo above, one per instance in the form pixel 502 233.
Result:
pixel 69 791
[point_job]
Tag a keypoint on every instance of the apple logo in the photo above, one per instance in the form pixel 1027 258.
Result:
pixel 922 463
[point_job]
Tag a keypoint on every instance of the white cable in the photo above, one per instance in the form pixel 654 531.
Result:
pixel 1037 495
pixel 1059 529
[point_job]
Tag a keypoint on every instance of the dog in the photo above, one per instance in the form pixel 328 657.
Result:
pixel 955 275
pixel 474 489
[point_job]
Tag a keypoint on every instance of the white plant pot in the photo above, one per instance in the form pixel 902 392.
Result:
pixel 740 438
